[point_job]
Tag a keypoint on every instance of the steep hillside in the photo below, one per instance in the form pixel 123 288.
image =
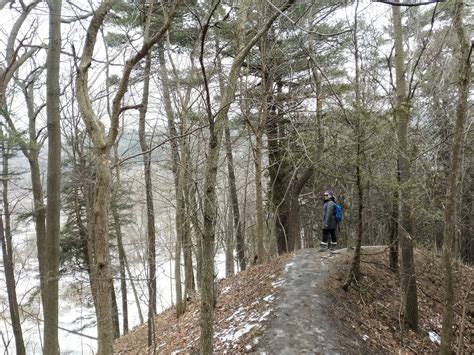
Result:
pixel 243 303
pixel 370 311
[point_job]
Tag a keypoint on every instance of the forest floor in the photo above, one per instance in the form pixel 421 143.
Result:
pixel 295 304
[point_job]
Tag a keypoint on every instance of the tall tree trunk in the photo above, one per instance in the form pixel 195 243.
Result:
pixel 121 251
pixel 402 117
pixel 259 228
pixel 30 150
pixel 51 252
pixel 454 181
pixel 150 210
pixel 100 265
pixel 258 149
pixel 354 272
pixel 123 276
pixel 7 252
pixel 178 174
pixel 184 185
pixel 239 235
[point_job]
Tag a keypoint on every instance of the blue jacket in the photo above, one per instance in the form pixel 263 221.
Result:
pixel 329 215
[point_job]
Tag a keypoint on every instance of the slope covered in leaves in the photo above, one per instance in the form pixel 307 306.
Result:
pixel 371 308
pixel 243 302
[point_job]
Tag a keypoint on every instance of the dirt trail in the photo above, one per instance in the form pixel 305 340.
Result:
pixel 301 322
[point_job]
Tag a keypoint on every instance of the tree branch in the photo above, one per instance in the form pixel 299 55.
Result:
pixel 408 4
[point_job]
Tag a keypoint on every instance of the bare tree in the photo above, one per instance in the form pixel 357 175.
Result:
pixel 7 249
pixel 402 118
pixel 100 265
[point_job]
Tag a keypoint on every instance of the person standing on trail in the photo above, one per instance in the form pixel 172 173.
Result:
pixel 329 222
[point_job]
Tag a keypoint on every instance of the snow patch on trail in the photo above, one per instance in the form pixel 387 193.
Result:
pixel 287 267
pixel 434 337
pixel 242 321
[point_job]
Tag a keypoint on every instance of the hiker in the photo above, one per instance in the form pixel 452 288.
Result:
pixel 329 222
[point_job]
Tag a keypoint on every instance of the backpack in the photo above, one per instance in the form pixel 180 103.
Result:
pixel 338 212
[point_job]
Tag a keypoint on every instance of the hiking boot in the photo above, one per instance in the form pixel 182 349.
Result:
pixel 323 247
pixel 332 246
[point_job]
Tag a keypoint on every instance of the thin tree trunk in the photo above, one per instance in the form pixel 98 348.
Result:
pixel 454 181
pixel 150 210
pixel 121 250
pixel 402 117
pixel 178 174
pixel 239 235
pixel 394 231
pixel 123 276
pixel 7 252
pixel 229 242
pixel 115 315
pixel 184 182
pixel 259 230
pixel 258 149
pixel 31 152
pixel 51 252
pixel 354 272
pixel 193 211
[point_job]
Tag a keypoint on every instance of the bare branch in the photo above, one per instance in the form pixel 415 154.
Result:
pixel 132 107
pixel 76 18
pixel 408 4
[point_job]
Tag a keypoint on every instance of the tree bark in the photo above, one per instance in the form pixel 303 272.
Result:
pixel 178 174
pixel 394 231
pixel 150 210
pixel 454 181
pixel 354 272
pixel 402 117
pixel 51 252
pixel 229 242
pixel 7 252
pixel 239 235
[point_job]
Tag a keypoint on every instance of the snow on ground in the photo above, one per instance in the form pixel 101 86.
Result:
pixel 76 312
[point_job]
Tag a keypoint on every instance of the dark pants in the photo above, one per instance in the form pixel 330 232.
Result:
pixel 326 234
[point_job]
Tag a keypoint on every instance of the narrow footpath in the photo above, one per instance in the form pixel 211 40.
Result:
pixel 301 322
